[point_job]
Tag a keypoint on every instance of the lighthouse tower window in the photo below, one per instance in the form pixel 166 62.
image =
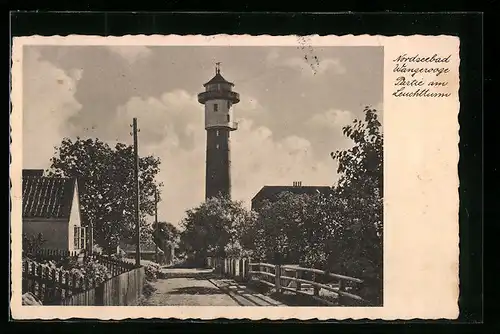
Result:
pixel 228 104
pixel 228 118
pixel 216 107
pixel 217 133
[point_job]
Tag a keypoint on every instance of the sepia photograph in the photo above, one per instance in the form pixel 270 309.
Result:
pixel 235 177
pixel 202 176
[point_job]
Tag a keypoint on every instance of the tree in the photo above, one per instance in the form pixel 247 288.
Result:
pixel 279 232
pixel 360 189
pixel 107 188
pixel 340 231
pixel 165 233
pixel 214 227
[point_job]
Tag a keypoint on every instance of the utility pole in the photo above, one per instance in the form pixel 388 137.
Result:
pixel 137 199
pixel 156 222
pixel 90 236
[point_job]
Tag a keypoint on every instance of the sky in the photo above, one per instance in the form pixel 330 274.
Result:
pixel 294 103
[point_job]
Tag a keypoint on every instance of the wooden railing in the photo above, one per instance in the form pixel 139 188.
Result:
pixel 322 286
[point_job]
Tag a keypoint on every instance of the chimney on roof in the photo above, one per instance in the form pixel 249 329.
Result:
pixel 297 183
pixel 32 173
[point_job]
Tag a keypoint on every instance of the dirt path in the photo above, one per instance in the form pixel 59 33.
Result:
pixel 195 287
pixel 188 291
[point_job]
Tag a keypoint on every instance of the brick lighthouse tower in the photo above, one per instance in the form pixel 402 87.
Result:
pixel 218 99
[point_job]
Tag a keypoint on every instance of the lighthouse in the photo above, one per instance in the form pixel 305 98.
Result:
pixel 219 99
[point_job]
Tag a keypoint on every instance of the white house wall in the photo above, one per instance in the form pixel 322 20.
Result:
pixel 74 218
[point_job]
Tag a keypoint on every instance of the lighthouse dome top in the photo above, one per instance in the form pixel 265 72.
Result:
pixel 218 79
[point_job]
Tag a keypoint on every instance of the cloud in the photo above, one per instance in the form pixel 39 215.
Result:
pixel 131 53
pixel 333 118
pixel 330 64
pixel 76 74
pixel 308 65
pixel 257 157
pixel 48 102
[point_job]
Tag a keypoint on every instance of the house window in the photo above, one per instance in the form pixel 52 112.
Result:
pixel 76 237
pixel 80 237
pixel 83 237
pixel 216 107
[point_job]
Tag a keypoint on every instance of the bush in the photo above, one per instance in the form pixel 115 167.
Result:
pixel 91 269
pixel 151 270
pixel 32 244
pixel 119 255
pixel 148 289
pixel 235 249
pixel 95 271
pixel 97 249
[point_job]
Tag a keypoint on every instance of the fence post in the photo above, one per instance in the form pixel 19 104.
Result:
pixel 26 273
pixel 243 268
pixel 99 294
pixel 315 288
pixel 342 299
pixel 247 267
pixel 32 272
pixel 59 293
pixel 67 289
pixel 240 268
pixel 40 284
pixel 277 278
pixel 298 284
pixel 73 285
pixel 45 275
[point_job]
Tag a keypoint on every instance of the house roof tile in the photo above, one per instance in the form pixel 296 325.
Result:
pixel 269 192
pixel 47 197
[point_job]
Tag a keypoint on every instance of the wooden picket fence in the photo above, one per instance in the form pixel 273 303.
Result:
pixel 122 290
pixel 55 286
pixel 115 266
